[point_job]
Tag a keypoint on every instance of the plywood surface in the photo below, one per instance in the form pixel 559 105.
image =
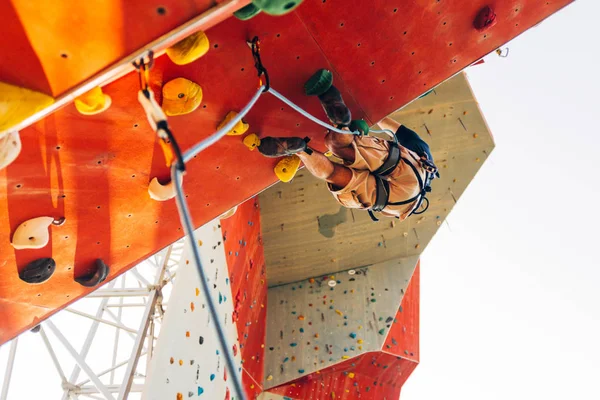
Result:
pixel 307 233
pixel 95 170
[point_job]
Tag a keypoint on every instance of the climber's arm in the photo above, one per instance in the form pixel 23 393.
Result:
pixel 388 123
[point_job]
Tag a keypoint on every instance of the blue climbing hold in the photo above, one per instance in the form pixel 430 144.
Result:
pixel 200 390
pixel 353 335
pixel 212 377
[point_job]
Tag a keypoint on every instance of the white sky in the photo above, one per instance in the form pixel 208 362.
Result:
pixel 509 300
pixel 510 304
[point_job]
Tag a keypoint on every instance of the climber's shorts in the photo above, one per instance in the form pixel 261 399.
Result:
pixel 369 154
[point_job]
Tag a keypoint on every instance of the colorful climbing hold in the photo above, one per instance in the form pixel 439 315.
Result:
pixel 189 49
pixel 181 96
pixel 238 129
pixel 92 102
pixel 286 168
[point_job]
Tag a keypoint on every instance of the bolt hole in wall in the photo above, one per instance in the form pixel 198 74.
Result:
pixel 161 11
pixel 135 125
pixel 64 55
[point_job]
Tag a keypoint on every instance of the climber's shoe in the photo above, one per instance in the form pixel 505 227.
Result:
pixel 279 147
pixel 181 96
pixel 93 102
pixel 335 108
pixel 318 83
pixel 189 49
pixel 247 12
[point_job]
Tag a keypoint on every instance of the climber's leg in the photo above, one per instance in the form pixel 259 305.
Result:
pixel 340 144
pixel 321 167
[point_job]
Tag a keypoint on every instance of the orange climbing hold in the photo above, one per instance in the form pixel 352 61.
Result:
pixel 287 167
pixel 181 96
pixel 189 49
pixel 93 102
pixel 239 129
pixel 252 141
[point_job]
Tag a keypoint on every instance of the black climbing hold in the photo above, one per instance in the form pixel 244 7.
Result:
pixel 201 340
pixel 36 329
pixel 95 278
pixel 38 271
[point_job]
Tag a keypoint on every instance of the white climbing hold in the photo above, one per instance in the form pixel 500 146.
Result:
pixel 229 213
pixel 34 233
pixel 10 148
pixel 351 272
pixel 160 192
pixel 332 283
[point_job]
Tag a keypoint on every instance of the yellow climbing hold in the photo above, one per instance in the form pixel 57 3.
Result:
pixel 93 102
pixel 181 96
pixel 345 357
pixel 351 375
pixel 359 341
pixel 338 312
pixel 287 167
pixel 189 49
pixel 328 153
pixel 18 103
pixel 252 141
pixel 333 395
pixel 270 377
pixel 239 129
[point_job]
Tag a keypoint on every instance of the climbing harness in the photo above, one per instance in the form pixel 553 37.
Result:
pixel 382 191
pixel 176 160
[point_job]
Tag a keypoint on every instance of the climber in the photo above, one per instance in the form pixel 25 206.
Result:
pixel 376 175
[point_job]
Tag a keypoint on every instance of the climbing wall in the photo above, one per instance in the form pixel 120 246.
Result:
pixel 376 375
pixel 307 232
pixel 95 170
pixel 240 291
pixel 245 259
pixel 53 45
pixel 188 360
pixel 324 320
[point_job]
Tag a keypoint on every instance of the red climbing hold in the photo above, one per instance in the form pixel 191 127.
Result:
pixel 485 19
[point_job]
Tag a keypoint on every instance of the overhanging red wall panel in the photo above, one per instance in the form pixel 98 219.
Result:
pixel 95 170
pixel 245 260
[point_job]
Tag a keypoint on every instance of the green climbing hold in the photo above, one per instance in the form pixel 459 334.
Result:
pixel 245 13
pixel 277 7
pixel 360 125
pixel 319 83
pixel 381 331
pixel 429 92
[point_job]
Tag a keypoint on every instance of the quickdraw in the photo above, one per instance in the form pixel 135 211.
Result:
pixel 155 114
pixel 260 68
